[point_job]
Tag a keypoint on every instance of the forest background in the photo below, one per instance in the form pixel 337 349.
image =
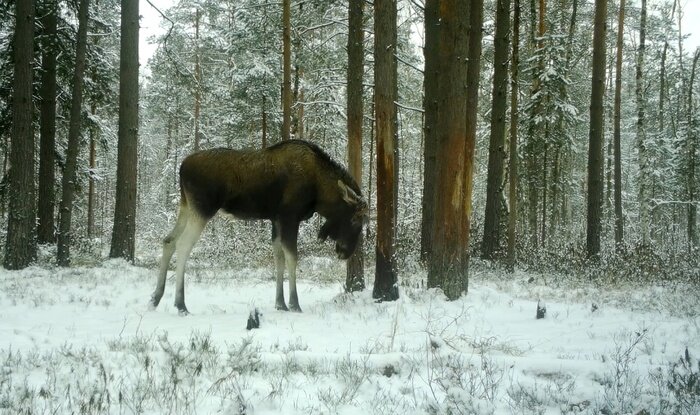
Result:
pixel 215 79
pixel 539 154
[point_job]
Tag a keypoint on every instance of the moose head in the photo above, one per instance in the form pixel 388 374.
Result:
pixel 345 226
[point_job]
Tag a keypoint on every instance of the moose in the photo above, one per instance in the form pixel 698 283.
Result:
pixel 285 183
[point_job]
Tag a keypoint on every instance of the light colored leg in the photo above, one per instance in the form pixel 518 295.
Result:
pixel 190 235
pixel 289 232
pixel 291 258
pixel 279 269
pixel 168 250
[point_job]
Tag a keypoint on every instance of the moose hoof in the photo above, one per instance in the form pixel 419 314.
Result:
pixel 281 307
pixel 182 310
pixel 295 308
pixel 153 304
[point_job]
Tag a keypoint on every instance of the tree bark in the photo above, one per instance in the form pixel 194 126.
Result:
pixel 286 70
pixel 619 230
pixel 124 230
pixel 692 149
pixel 474 35
pixel 92 164
pixel 197 81
pixel 448 265
pixel 385 84
pixel 92 159
pixel 47 133
pixel 264 123
pixel 68 182
pixel 21 246
pixel 355 267
pixel 513 144
pixel 596 134
pixel 494 181
pixel 644 173
pixel 430 84
pixel 535 140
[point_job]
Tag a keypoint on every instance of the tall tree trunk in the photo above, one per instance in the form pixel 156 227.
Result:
pixel 124 230
pixel 264 123
pixel 559 221
pixel 430 97
pixel 21 246
pixel 286 70
pixel 644 173
pixel 297 128
pixel 475 16
pixel 355 269
pixel 555 189
pixel 92 159
pixel 596 134
pixel 543 186
pixel 299 133
pixel 616 134
pixel 513 144
pixel 92 164
pixel 692 149
pixel 474 31
pixel 448 266
pixel 385 84
pixel 494 181
pixel 68 182
pixel 535 139
pixel 47 132
pixel 197 81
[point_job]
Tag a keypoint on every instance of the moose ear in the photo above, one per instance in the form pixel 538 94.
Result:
pixel 348 194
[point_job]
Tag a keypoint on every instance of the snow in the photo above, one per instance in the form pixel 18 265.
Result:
pixel 83 340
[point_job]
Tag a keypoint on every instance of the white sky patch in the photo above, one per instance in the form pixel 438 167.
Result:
pixel 150 26
pixel 691 23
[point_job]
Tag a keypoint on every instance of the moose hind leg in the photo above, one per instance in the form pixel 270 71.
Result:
pixel 168 250
pixel 279 268
pixel 289 247
pixel 190 235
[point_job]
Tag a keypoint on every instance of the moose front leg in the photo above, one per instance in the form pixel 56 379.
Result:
pixel 279 267
pixel 284 244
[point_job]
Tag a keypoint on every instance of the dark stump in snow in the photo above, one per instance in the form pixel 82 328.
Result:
pixel 541 310
pixel 253 319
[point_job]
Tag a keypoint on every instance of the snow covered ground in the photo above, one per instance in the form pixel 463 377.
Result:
pixel 82 340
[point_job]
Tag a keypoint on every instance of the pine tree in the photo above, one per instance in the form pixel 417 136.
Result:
pixel 21 246
pixel 596 134
pixel 355 268
pixel 617 119
pixel 124 230
pixel 47 130
pixel 385 90
pixel 430 86
pixel 494 185
pixel 644 167
pixel 513 142
pixel 448 266
pixel 68 182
